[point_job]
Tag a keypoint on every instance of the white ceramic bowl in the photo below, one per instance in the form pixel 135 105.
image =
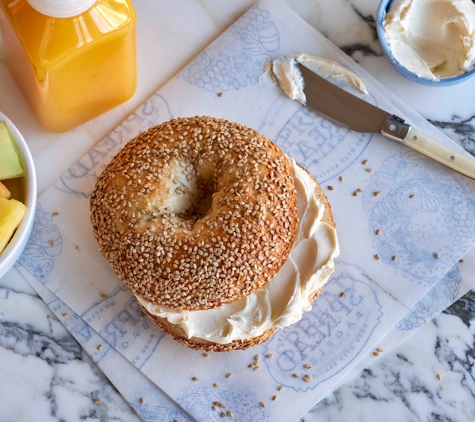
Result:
pixel 23 189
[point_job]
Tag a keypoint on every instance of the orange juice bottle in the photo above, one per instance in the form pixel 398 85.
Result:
pixel 72 59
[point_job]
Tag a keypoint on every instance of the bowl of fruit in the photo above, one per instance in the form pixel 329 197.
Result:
pixel 17 194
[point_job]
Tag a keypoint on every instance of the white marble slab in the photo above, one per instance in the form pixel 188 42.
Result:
pixel 40 364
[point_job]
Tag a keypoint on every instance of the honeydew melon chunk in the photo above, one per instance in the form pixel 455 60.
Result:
pixel 11 164
pixel 4 192
pixel 11 215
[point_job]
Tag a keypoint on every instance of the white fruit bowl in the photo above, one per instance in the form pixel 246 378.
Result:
pixel 23 189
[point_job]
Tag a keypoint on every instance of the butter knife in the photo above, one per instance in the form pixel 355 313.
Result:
pixel 361 116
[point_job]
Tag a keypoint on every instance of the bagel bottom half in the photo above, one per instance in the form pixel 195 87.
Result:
pixel 199 344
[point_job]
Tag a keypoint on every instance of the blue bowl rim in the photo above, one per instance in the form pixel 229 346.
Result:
pixel 382 9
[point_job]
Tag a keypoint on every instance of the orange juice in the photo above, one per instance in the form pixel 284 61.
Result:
pixel 70 68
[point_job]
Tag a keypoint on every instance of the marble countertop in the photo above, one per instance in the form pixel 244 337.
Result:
pixel 45 375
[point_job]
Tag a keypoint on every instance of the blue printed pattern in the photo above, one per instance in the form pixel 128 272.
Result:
pixel 236 61
pixel 199 405
pixel 442 295
pixel 44 245
pixel 422 204
pixel 151 413
pixel 329 337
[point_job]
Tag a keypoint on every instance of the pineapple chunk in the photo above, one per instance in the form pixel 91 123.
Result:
pixel 11 214
pixel 11 164
pixel 4 192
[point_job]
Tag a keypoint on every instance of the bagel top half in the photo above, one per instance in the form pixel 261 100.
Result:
pixel 196 213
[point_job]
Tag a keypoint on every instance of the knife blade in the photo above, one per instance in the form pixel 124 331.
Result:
pixel 348 110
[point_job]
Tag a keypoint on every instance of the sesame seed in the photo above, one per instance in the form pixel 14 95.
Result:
pixel 230 414
pixel 221 404
pixel 368 170
pixel 364 162
pixel 330 187
pixel 376 353
pixel 341 178
pixel 97 401
pixel 99 347
pixel 436 255
pixel 359 190
pixel 394 258
pixel 412 196
pixel 195 379
pixel 377 193
pixel 269 355
pixel 142 400
pixel 256 368
pixel 51 243
pixel 65 315
pixel 216 385
pixel 55 214
pixel 229 375
pixel 274 398
pixel 355 193
pixel 215 408
pixel 256 358
pixel 379 349
pixel 439 377
pixel 76 248
pixel 220 94
pixel 342 294
pixel 307 365
pixel 103 296
pixel 222 414
pixel 295 375
pixel 262 404
pixel 280 387
pixel 461 261
pixel 377 257
pixel 205 355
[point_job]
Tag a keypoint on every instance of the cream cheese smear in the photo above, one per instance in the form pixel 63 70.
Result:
pixel 284 299
pixel 433 39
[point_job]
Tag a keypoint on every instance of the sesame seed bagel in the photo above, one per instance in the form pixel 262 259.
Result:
pixel 199 344
pixel 196 213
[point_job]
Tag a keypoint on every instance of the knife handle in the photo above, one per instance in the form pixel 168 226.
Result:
pixel 440 153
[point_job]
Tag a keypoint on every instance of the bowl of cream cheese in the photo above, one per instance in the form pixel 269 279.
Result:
pixel 431 42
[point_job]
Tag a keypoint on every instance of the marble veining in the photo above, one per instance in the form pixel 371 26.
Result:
pixel 41 365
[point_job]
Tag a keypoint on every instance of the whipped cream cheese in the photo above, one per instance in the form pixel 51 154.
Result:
pixel 283 300
pixel 285 70
pixel 432 38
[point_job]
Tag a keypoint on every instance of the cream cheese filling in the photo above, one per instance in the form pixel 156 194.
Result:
pixel 432 38
pixel 284 299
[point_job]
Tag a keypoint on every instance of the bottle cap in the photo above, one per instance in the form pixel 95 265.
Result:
pixel 61 8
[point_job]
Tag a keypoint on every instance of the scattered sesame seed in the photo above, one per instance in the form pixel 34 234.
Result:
pixel 341 295
pixel 295 375
pixel 97 401
pixel 280 387
pixel 195 379
pixel 306 379
pixel 307 365
pixel 256 358
pixel 262 404
pixel 230 414
pixel 65 315
pixel 436 255
pixel 103 296
pixel 216 403
pixel 229 375
pixel 220 94
pixel 368 170
pixel 376 353
pixel 461 261
pixel 412 196
pixel 355 193
pixel 377 193
pixel 176 420
pixel 54 214
pixel 142 400
pixel 216 385
pixel 269 355
pixel 364 162
pixel 77 248
pixel 215 408
pixel 256 368
pixel 51 243
pixel 222 414
pixel 99 347
pixel 250 365
pixel 379 349
pixel 330 188
pixel 341 178
pixel 274 398
pixel 359 190
pixel 206 355
pixel 377 257
pixel 439 377
pixel 394 258
pixel 221 404
pixel 378 232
